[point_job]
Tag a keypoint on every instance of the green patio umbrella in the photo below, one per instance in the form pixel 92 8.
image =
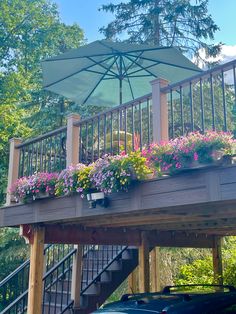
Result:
pixel 110 73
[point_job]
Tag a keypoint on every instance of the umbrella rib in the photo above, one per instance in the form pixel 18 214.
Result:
pixel 128 79
pixel 127 69
pixel 101 73
pixel 77 72
pixel 141 67
pixel 148 67
pixel 167 63
pixel 99 82
pixel 101 65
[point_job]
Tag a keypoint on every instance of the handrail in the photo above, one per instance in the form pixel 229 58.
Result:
pixel 203 75
pixel 10 306
pixel 42 137
pixel 18 269
pixel 59 264
pixel 104 269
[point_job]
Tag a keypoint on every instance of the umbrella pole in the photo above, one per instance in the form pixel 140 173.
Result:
pixel 120 91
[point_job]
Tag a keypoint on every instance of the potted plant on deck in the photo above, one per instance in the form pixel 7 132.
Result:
pixel 39 185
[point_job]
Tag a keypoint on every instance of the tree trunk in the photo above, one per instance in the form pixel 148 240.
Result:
pixel 156 25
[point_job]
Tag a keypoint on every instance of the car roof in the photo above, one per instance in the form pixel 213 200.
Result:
pixel 158 301
pixel 207 303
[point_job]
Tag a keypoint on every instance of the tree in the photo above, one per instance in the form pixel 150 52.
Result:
pixel 165 23
pixel 201 270
pixel 30 30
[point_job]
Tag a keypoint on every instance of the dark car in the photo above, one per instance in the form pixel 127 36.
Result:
pixel 195 299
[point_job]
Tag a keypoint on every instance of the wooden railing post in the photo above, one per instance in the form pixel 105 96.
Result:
pixel 159 111
pixel 13 168
pixel 144 269
pixel 36 271
pixel 72 141
pixel 77 276
pixel 155 269
pixel 217 261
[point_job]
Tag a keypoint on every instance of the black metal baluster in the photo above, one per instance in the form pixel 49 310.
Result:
pixel 202 107
pixel 28 161
pixel 93 141
pixel 224 100
pixel 148 122
pixel 212 102
pixel 111 152
pixel 119 124
pixel 234 110
pixel 181 110
pixel 60 152
pixel 37 155
pixel 98 136
pixel 125 128
pixel 41 156
pixel 191 106
pixel 105 132
pixel 140 125
pixel 86 142
pixel 80 143
pixel 31 159
pixel 20 163
pixel 55 308
pixel 50 168
pixel 133 131
pixel 171 113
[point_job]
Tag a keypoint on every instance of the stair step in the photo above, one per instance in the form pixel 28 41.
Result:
pixel 55 296
pixel 51 308
pixel 115 266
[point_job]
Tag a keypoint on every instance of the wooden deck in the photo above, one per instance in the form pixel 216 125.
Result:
pixel 199 201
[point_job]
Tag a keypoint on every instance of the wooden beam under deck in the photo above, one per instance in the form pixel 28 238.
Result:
pixel 72 234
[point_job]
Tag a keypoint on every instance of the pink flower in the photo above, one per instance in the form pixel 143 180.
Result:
pixel 195 156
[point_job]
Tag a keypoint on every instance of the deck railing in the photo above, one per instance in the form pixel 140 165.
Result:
pixel 44 153
pixel 206 101
pixel 123 128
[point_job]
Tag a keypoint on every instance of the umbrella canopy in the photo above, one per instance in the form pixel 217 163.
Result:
pixel 108 73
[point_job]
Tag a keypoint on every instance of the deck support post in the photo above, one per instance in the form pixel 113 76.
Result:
pixel 217 261
pixel 133 280
pixel 77 276
pixel 36 271
pixel 72 140
pixel 13 170
pixel 144 270
pixel 155 269
pixel 159 111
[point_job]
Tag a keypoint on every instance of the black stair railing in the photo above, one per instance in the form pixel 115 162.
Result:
pixel 57 279
pixel 57 282
pixel 13 296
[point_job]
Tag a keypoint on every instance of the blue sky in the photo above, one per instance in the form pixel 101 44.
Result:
pixel 86 14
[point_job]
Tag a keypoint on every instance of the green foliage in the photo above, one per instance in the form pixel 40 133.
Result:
pixel 201 270
pixel 29 32
pixel 13 251
pixel 180 23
